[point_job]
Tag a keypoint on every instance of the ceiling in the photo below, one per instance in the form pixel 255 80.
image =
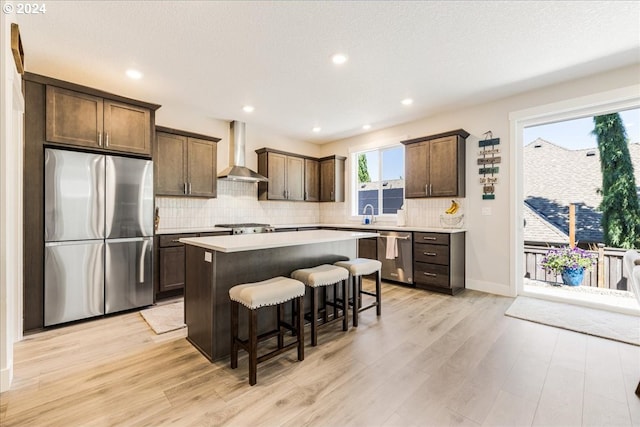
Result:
pixel 212 58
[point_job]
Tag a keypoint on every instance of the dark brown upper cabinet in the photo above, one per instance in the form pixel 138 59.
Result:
pixel 435 165
pixel 286 175
pixel 185 163
pixel 297 177
pixel 332 179
pixel 86 120
pixel 311 180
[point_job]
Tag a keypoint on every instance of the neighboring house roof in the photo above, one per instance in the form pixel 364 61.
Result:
pixel 553 178
pixel 540 230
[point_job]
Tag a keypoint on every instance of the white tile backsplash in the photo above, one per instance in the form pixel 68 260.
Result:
pixel 419 212
pixel 238 202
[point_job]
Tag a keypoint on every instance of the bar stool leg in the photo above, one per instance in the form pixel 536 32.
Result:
pixel 335 300
pixel 314 317
pixel 234 334
pixel 356 305
pixel 300 328
pixel 345 305
pixel 280 321
pixel 253 346
pixel 378 293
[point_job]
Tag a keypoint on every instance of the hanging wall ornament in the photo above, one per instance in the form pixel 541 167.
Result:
pixel 487 160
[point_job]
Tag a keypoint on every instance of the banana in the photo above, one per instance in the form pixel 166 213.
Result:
pixel 453 208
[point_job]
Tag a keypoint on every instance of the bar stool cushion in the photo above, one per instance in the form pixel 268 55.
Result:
pixel 268 292
pixel 360 266
pixel 322 275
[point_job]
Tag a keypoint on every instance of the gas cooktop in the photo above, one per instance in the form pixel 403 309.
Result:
pixel 248 228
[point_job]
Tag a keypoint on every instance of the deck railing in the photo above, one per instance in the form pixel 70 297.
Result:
pixel 607 273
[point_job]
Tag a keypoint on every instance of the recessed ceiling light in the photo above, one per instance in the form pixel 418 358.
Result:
pixel 248 108
pixel 407 101
pixel 339 58
pixel 134 74
pixel 316 129
pixel 366 127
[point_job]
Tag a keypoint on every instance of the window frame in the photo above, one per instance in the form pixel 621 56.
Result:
pixel 354 152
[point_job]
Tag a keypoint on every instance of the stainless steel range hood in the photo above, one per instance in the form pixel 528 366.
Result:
pixel 237 171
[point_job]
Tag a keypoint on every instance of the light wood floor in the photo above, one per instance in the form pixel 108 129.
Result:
pixel 430 360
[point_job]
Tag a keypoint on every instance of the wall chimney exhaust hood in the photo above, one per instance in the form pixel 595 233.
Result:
pixel 237 171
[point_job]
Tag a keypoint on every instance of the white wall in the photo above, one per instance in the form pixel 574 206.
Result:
pixel 11 119
pixel 488 239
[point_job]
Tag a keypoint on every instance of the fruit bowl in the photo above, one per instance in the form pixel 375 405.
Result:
pixel 451 221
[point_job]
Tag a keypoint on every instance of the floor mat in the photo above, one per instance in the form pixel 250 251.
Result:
pixel 605 324
pixel 165 318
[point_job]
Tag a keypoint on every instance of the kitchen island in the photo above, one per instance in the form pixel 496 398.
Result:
pixel 215 264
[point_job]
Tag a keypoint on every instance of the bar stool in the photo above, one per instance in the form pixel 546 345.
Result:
pixel 253 296
pixel 361 267
pixel 320 277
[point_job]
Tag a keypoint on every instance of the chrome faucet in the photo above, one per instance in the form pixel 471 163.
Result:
pixel 364 213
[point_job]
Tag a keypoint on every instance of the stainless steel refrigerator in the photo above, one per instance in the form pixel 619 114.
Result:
pixel 98 235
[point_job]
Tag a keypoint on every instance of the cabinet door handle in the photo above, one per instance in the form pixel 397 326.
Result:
pixel 429 238
pixel 430 188
pixel 189 188
pixel 429 253
pixel 100 139
pixel 331 197
pixel 175 240
pixel 426 189
pixel 429 274
pixel 106 139
pixel 185 188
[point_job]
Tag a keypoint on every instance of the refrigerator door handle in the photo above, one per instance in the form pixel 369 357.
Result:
pixel 70 243
pixel 127 239
pixel 143 252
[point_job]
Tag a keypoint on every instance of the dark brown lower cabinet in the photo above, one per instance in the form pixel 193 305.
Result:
pixel 438 262
pixel 170 259
pixel 171 268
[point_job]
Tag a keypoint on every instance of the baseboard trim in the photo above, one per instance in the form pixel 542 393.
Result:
pixel 6 376
pixel 491 288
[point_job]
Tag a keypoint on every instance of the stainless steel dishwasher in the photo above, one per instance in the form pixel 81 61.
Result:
pixel 396 265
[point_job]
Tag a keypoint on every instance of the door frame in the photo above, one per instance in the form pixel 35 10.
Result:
pixel 590 105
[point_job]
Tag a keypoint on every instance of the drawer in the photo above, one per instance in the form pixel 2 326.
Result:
pixel 168 240
pixel 432 238
pixel 434 254
pixel 431 274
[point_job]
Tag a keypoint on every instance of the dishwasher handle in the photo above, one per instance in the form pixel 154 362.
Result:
pixel 398 236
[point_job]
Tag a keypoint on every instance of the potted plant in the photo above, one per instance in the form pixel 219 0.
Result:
pixel 569 262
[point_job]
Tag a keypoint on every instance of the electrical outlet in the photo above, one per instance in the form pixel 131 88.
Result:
pixel 486 211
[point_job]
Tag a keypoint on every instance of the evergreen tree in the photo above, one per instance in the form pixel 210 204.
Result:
pixel 363 169
pixel 620 207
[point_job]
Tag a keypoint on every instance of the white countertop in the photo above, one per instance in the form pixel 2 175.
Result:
pixel 375 226
pixel 250 242
pixel 191 230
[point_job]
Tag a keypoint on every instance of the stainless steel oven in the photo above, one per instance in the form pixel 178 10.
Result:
pixel 395 251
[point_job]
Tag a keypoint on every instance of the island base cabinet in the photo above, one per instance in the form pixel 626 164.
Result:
pixel 440 264
pixel 210 275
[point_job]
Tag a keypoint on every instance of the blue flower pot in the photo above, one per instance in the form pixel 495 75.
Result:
pixel 572 276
